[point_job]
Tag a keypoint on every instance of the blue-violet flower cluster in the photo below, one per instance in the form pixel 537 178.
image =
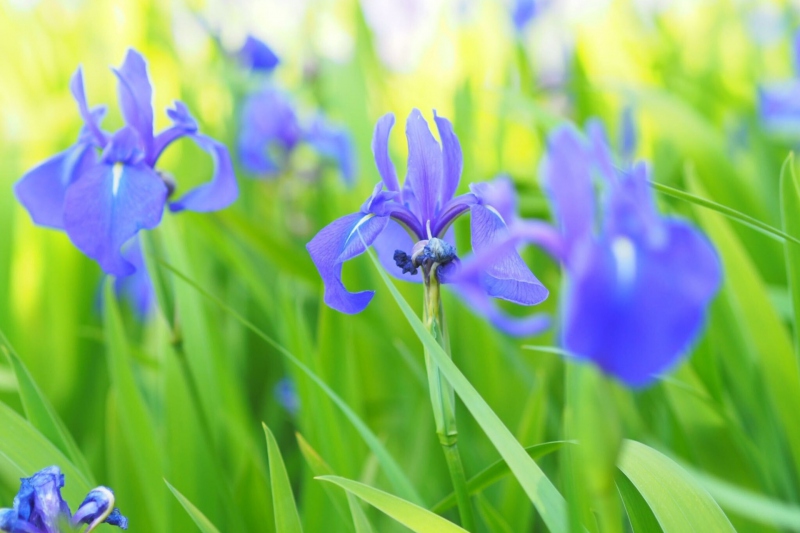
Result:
pixel 39 507
pixel 105 188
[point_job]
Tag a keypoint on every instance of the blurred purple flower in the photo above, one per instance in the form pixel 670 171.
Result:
pixel 102 200
pixel 639 283
pixel 137 288
pixel 271 129
pixel 522 13
pixel 257 56
pixel 39 507
pixel 412 224
pixel 779 103
pixel 286 393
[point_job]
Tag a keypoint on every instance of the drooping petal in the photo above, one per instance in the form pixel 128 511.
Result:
pixel 111 203
pixel 507 277
pixel 500 195
pixel 631 208
pixel 183 123
pixel 424 176
pixel 452 159
pixel 41 190
pixel 257 56
pixel 136 97
pixel 218 193
pixel 635 310
pixel 97 508
pixel 337 242
pixel 779 107
pixel 477 300
pixel 566 176
pixel 380 151
pixel 91 118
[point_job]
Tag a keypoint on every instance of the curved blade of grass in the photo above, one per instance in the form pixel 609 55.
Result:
pixel 319 468
pixel 360 520
pixel 203 523
pixel 40 412
pixel 790 216
pixel 286 518
pixel 491 516
pixel 412 516
pixel 27 451
pixel 733 214
pixel 541 491
pixel 639 513
pixel 678 502
pixel 391 469
pixel 497 471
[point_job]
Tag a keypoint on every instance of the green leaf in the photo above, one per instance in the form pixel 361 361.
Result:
pixel 497 471
pixel 40 412
pixel 790 215
pixel 286 518
pixel 541 491
pixel 360 520
pixel 319 468
pixel 678 502
pixel 639 513
pixel 137 425
pixel 26 451
pixel 203 523
pixel 491 516
pixel 412 516
pixel 393 472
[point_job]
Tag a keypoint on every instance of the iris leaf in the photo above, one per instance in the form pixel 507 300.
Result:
pixel 203 523
pixel 318 468
pixel 286 518
pixel 412 516
pixel 790 214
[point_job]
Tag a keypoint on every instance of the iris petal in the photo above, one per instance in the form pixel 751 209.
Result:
pixel 136 97
pixel 41 190
pixel 339 241
pixel 257 56
pixel 636 312
pixel 453 160
pixel 380 151
pixel 424 175
pixel 108 206
pixel 218 193
pixel 91 118
pixel 507 277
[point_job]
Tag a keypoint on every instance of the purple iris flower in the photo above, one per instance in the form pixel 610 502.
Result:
pixel 271 130
pixel 257 56
pixel 779 103
pixel 412 225
pixel 105 188
pixel 638 283
pixel 522 13
pixel 39 507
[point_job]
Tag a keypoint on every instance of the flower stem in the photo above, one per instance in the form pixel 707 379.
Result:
pixel 443 400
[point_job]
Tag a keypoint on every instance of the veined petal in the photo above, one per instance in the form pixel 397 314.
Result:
pixel 633 309
pixel 218 193
pixel 136 97
pixel 257 56
pixel 452 160
pixel 337 242
pixel 108 206
pixel 499 194
pixel 41 190
pixel 566 176
pixel 507 276
pixel 39 500
pixel 424 174
pixel 91 118
pixel 11 523
pixel 380 151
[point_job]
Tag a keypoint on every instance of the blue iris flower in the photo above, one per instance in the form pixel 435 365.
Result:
pixel 779 103
pixel 638 283
pixel 105 188
pixel 137 288
pixel 257 56
pixel 39 507
pixel 412 224
pixel 523 12
pixel 271 129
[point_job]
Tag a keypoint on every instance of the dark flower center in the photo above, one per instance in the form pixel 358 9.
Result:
pixel 425 255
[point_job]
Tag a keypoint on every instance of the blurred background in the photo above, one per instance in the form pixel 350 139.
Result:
pixel 676 83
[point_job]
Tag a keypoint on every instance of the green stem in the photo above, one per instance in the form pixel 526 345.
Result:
pixel 443 400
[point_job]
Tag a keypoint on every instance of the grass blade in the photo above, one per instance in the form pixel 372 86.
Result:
pixel 287 519
pixel 203 523
pixel 319 468
pixel 790 215
pixel 412 516
pixel 360 520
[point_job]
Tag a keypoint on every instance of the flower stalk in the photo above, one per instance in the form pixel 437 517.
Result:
pixel 443 397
